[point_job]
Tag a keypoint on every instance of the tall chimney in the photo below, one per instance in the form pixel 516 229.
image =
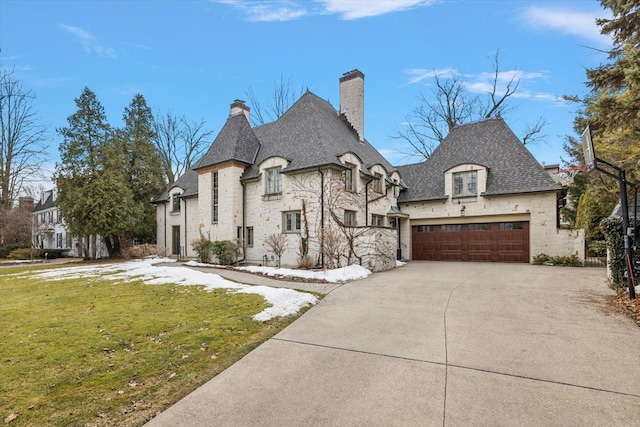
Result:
pixel 238 106
pixel 352 100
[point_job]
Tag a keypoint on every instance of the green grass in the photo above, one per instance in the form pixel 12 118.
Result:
pixel 102 352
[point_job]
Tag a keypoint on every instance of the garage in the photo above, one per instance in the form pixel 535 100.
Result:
pixel 490 242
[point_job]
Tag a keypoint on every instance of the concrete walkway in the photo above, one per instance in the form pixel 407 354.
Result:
pixel 439 344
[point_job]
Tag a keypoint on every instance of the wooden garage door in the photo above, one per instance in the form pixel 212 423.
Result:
pixel 495 242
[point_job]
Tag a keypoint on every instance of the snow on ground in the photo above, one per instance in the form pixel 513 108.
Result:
pixel 338 275
pixel 284 302
pixel 400 263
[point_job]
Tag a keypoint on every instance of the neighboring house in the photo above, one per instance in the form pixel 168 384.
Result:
pixel 50 232
pixel 481 196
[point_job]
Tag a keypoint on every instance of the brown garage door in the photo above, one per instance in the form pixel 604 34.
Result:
pixel 496 242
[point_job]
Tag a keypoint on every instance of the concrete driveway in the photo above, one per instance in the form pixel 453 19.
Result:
pixel 439 344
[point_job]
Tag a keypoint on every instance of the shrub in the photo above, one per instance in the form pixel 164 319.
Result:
pixel 306 262
pixel 566 261
pixel 52 253
pixel 142 251
pixel 4 252
pixel 203 248
pixel 612 229
pixel 226 251
pixel 24 253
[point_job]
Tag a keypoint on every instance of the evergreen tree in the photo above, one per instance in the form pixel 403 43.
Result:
pixel 142 165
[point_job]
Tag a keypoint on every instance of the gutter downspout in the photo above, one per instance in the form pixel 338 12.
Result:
pixel 164 243
pixel 185 227
pixel 366 203
pixel 321 218
pixel 244 229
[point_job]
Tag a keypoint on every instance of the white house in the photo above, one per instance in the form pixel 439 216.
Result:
pixel 50 231
pixel 312 176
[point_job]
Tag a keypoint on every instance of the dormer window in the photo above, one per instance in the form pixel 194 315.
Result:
pixel 175 206
pixel 350 177
pixel 465 184
pixel 274 181
pixel 378 183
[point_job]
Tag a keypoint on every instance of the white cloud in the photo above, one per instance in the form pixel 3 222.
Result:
pixel 268 11
pixel 356 9
pixel 417 75
pixel 89 42
pixel 582 24
pixel 287 10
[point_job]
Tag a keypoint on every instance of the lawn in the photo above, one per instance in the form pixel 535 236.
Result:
pixel 98 351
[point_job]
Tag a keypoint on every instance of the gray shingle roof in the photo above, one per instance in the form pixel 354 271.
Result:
pixel 491 143
pixel 311 134
pixel 236 141
pixel 187 181
pixel 42 205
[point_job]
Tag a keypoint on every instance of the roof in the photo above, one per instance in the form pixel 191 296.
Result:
pixel 491 143
pixel 48 202
pixel 311 134
pixel 187 181
pixel 236 141
pixel 617 210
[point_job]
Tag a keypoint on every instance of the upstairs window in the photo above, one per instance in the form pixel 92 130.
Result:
pixel 350 177
pixel 175 205
pixel 378 183
pixel 274 181
pixel 465 184
pixel 215 209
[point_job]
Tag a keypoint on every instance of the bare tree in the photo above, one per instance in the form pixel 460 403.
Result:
pixel 285 93
pixel 181 142
pixel 22 136
pixel 278 244
pixel 450 104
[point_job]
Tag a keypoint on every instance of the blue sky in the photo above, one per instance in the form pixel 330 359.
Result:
pixel 196 57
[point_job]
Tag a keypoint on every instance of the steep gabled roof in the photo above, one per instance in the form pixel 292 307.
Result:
pixel 311 134
pixel 48 203
pixel 491 143
pixel 187 181
pixel 235 142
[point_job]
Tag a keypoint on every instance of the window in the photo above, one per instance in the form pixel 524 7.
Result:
pixel 274 181
pixel 450 228
pixel 175 207
pixel 426 228
pixel 396 188
pixel 250 237
pixel 349 218
pixel 59 240
pixel 214 197
pixel 378 183
pixel 465 184
pixel 350 177
pixel 238 233
pixel 479 227
pixel 291 222
pixel 510 226
pixel 377 220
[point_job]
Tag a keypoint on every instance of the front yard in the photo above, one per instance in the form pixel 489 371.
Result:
pixel 95 345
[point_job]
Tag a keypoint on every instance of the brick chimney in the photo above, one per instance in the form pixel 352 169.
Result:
pixel 352 100
pixel 238 106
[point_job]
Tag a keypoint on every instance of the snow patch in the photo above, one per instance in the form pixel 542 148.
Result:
pixel 338 275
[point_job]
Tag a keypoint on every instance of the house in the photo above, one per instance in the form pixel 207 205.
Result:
pixel 50 231
pixel 312 177
pixel 482 196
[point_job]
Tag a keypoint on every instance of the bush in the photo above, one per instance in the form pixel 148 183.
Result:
pixel 52 253
pixel 142 251
pixel 226 251
pixel 306 262
pixel 567 261
pixel 6 250
pixel 203 248
pixel 612 228
pixel 24 253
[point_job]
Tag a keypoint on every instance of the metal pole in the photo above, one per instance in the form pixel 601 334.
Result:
pixel 628 250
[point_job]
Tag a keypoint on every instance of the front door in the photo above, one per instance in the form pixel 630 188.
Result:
pixel 175 233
